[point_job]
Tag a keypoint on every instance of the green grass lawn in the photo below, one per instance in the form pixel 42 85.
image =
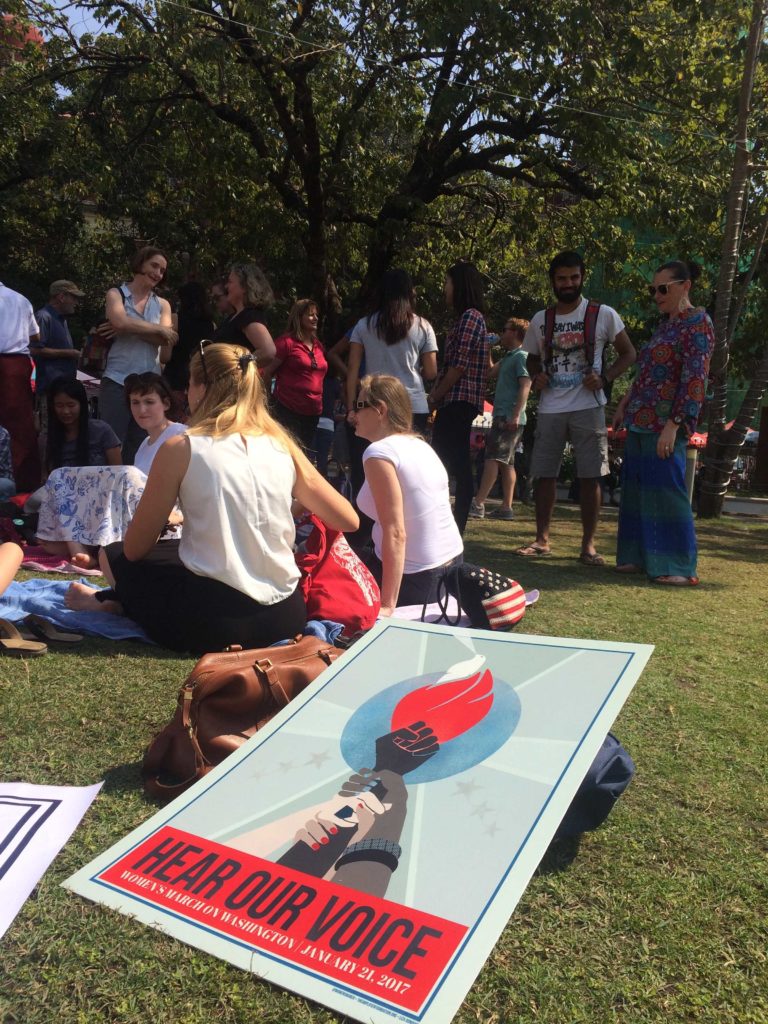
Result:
pixel 661 916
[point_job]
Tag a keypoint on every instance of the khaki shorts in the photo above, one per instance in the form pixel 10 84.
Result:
pixel 586 431
pixel 501 444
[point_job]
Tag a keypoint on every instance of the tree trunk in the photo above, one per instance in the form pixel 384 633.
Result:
pixel 721 452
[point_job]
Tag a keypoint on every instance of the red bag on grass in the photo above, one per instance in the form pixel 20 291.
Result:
pixel 335 583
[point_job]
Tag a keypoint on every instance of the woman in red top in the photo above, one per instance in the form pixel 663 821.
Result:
pixel 299 368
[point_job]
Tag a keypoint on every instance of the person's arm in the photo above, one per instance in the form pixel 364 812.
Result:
pixel 268 372
pixel 121 323
pixel 39 347
pixel 429 365
pixel 336 353
pixel 114 456
pixel 316 494
pixel 626 356
pixel 261 342
pixel 621 410
pixel 387 495
pixel 167 320
pixel 353 374
pixel 160 495
pixel 524 390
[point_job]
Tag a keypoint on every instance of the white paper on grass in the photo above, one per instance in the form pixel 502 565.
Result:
pixel 35 822
pixel 479 815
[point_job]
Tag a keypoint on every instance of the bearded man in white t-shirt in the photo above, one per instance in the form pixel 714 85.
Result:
pixel 568 370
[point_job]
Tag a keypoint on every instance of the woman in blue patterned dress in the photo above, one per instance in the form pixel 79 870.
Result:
pixel 89 497
pixel 661 410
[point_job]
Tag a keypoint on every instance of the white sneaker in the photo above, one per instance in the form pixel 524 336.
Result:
pixel 476 511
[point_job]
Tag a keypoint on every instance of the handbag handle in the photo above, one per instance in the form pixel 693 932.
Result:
pixel 442 596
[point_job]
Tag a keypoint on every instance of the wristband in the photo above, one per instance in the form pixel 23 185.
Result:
pixel 381 851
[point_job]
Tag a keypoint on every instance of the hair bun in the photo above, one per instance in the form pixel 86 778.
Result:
pixel 693 269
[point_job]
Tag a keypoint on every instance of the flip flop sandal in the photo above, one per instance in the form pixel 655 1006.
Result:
pixel 46 630
pixel 593 560
pixel 13 644
pixel 533 551
pixel 682 581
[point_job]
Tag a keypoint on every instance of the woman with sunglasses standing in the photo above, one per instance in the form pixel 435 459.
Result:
pixel 661 409
pixel 232 578
pixel 299 368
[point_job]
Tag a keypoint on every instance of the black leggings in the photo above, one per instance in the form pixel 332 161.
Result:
pixel 415 587
pixel 186 612
pixel 300 425
pixel 450 439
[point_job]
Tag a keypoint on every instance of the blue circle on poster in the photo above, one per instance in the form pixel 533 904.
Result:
pixel 374 719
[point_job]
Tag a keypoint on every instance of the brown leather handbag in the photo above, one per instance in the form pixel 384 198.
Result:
pixel 226 699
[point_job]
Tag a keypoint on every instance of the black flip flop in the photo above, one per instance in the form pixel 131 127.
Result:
pixel 47 631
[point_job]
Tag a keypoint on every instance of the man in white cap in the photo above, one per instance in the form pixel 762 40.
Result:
pixel 54 352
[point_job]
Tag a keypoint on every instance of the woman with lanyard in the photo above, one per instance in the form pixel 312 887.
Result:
pixel 299 368
pixel 144 339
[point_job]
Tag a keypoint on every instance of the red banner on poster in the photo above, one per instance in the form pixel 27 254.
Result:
pixel 388 951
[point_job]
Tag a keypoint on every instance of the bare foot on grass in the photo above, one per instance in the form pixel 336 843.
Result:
pixel 84 560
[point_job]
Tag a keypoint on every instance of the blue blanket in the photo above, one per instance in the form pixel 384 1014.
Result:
pixel 46 598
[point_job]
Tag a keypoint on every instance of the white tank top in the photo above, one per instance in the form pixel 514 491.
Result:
pixel 238 527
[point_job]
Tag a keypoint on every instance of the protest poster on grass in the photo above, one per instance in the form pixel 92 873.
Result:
pixel 367 848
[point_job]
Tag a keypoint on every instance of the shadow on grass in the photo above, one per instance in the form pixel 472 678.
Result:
pixel 123 778
pixel 561 853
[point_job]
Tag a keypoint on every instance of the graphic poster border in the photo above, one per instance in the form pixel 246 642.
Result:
pixel 367 848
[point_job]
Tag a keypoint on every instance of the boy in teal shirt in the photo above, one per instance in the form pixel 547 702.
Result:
pixel 513 385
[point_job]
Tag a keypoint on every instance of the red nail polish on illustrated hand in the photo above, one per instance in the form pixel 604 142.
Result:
pixel 315 846
pixel 325 840
pixel 333 831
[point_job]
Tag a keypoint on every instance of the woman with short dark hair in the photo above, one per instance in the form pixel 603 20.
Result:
pixel 144 337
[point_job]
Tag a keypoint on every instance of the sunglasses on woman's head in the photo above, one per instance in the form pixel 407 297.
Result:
pixel 662 289
pixel 202 359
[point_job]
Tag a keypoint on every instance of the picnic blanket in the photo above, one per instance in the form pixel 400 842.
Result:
pixel 46 598
pixel 37 558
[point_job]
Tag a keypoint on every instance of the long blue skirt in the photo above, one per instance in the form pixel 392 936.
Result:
pixel 656 529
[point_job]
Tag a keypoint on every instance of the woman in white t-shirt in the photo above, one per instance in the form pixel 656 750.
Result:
pixel 232 578
pixel 415 537
pixel 394 340
pixel 150 399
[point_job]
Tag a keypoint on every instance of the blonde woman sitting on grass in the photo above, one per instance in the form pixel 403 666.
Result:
pixel 232 578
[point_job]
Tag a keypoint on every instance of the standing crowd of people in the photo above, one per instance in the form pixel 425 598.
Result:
pixel 193 522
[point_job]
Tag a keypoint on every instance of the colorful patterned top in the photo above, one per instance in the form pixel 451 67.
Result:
pixel 672 374
pixel 467 346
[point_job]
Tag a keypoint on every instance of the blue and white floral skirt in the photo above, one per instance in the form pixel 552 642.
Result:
pixel 91 505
